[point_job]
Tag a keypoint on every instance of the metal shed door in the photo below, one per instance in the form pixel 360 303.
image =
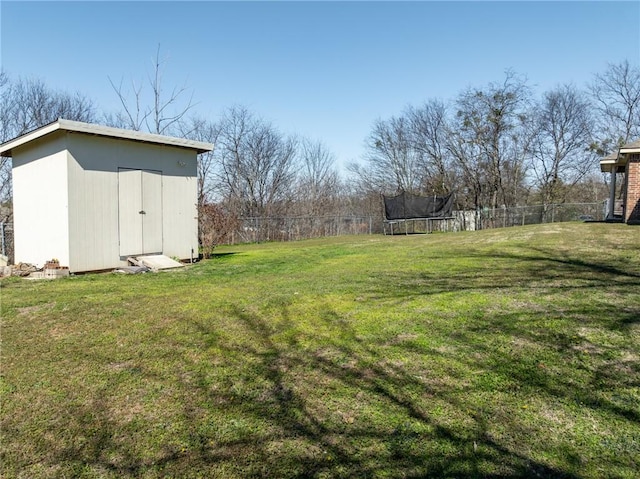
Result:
pixel 140 211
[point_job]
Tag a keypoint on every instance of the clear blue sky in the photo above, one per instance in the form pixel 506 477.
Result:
pixel 325 70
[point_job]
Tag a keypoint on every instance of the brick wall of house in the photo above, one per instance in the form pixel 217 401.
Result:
pixel 633 190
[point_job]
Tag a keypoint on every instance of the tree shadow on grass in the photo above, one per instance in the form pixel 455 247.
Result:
pixel 222 255
pixel 286 402
pixel 415 443
pixel 338 409
pixel 325 444
pixel 538 271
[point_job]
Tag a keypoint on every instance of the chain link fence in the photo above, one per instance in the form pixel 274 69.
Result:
pixel 488 218
pixel 256 229
pixel 253 230
pixel 6 240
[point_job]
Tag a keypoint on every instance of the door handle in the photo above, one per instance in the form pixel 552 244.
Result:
pixel 142 212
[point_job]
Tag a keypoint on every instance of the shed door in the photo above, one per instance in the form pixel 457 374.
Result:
pixel 140 211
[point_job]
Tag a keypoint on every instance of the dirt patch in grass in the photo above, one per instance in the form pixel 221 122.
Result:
pixel 402 338
pixel 35 310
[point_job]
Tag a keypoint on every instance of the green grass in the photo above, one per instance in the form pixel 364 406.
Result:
pixel 503 353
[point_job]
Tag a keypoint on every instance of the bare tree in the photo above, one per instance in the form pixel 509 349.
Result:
pixel 6 106
pixel 392 163
pixel 215 223
pixel 487 140
pixel 156 113
pixel 132 115
pixel 200 129
pixel 318 179
pixel 27 104
pixel 429 138
pixel 408 153
pixel 616 97
pixel 560 148
pixel 469 161
pixel 257 164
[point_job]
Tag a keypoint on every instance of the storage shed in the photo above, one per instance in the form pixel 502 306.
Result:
pixel 91 196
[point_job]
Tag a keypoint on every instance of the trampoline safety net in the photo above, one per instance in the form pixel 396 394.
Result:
pixel 407 206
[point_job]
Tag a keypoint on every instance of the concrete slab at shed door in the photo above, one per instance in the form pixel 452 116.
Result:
pixel 158 262
pixel 139 211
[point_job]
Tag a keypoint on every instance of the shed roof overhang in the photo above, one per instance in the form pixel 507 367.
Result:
pixel 7 148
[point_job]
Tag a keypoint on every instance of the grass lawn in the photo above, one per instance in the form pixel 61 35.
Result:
pixel 500 353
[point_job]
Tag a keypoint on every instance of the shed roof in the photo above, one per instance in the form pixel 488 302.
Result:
pixel 6 149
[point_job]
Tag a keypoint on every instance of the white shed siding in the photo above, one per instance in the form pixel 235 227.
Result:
pixel 93 208
pixel 180 216
pixel 40 203
pixel 94 198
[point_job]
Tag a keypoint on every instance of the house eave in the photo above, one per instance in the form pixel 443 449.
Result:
pixel 607 165
pixel 628 151
pixel 613 159
pixel 630 148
